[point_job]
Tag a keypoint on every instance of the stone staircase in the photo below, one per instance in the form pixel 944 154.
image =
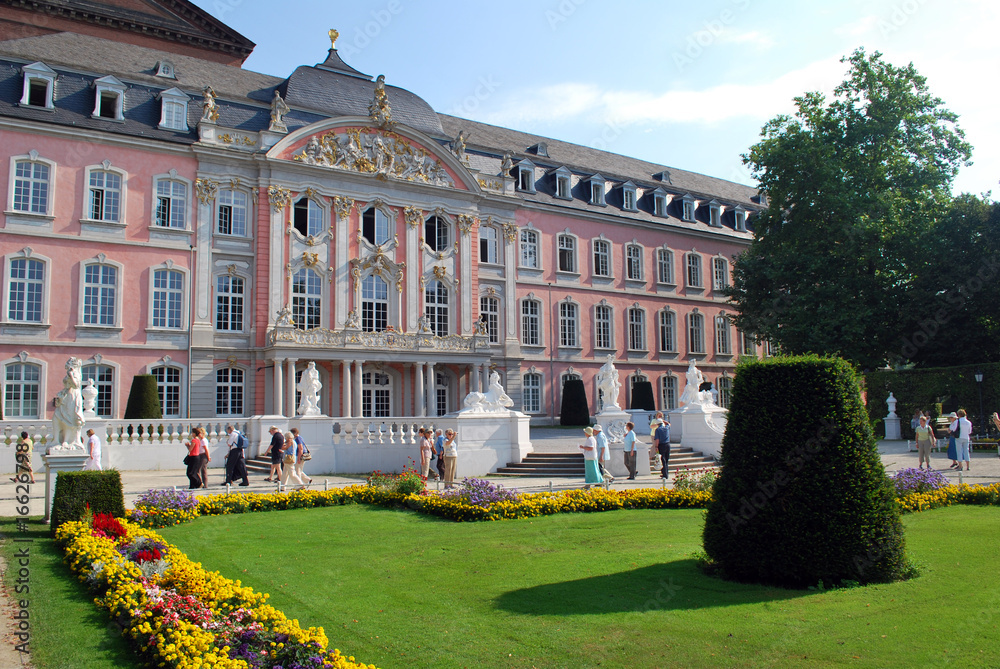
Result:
pixel 259 465
pixel 571 464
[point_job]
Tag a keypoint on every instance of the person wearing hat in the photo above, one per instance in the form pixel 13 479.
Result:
pixel 603 453
pixel 593 474
pixel 952 448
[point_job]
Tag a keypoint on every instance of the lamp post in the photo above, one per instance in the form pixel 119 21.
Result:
pixel 979 383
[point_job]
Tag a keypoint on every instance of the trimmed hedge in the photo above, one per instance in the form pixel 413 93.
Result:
pixel 102 490
pixel 143 399
pixel 802 496
pixel 575 409
pixel 642 396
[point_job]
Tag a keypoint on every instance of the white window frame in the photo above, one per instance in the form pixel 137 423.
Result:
pixel 666 331
pixel 661 202
pixel 374 387
pixel 696 333
pixel 175 100
pixel 689 208
pixel 38 71
pixel 375 302
pixel 438 313
pixel 493 317
pixel 532 388
pixel 597 186
pixel 693 270
pixel 668 392
pixel 746 338
pixel 113 391
pixel 606 322
pixel 525 177
pixel 306 297
pixel 715 210
pixel 630 197
pixel 183 202
pixel 724 384
pixel 720 273
pixel 440 223
pixel 227 198
pixel 489 240
pixel 636 323
pixel 572 247
pixel 723 335
pixel 183 294
pixel 665 259
pixel 26 254
pixel 88 206
pixel 50 188
pixel 740 219
pixel 539 339
pixel 119 283
pixel 569 324
pixel 596 245
pixel 534 244
pixel 229 295
pixel 564 184
pixel 374 241
pixel 111 85
pixel 321 218
pixel 634 265
pixel 230 384
pixel 181 387
pixel 42 403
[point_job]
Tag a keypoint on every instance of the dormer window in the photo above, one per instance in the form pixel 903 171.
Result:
pixel 165 69
pixel 740 219
pixel 596 183
pixel 109 99
pixel 526 176
pixel 629 196
pixel 564 185
pixel 660 201
pixel 173 111
pixel 39 83
pixel 715 214
pixel 687 208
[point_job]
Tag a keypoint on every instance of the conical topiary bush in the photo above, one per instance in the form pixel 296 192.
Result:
pixel 575 410
pixel 143 399
pixel 642 396
pixel 802 496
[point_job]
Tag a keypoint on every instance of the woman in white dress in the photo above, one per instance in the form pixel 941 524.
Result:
pixel 93 462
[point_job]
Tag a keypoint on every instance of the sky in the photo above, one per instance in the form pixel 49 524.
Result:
pixel 683 84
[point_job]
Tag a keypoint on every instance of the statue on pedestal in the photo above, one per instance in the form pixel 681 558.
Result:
pixel 691 395
pixel 309 387
pixel 494 400
pixel 209 110
pixel 278 111
pixel 68 420
pixel 608 384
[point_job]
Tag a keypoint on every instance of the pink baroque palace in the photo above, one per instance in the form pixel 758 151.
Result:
pixel 168 212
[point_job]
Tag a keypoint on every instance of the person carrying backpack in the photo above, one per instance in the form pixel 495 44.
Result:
pixel 236 463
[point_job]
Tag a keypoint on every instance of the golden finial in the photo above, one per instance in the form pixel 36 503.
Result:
pixel 333 37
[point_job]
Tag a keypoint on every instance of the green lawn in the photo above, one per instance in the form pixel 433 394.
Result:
pixel 605 589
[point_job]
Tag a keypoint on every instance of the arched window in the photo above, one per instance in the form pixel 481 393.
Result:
pixel 376 395
pixel 531 393
pixel 633 262
pixel 307 217
pixel 436 307
pixel 529 249
pixel 531 325
pixel 168 298
pixel 374 304
pixel 668 332
pixel 26 287
pixel 171 204
pixel 636 329
pixel 21 390
pixel 489 313
pixel 567 253
pixel 723 345
pixel 100 294
pixel 569 326
pixel 375 226
pixel 668 392
pixel 602 257
pixel 696 333
pixel 720 273
pixel 32 181
pixel 168 386
pixel 665 266
pixel 104 381
pixel 602 326
pixel 436 233
pixel 105 202
pixel 694 270
pixel 725 387
pixel 229 391
pixel 306 299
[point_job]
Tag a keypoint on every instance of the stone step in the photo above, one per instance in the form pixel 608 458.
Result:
pixel 259 465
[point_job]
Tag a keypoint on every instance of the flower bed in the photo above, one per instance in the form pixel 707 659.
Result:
pixel 176 614
pixel 911 480
pixel 952 494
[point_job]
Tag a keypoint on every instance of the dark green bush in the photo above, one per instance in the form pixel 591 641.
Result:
pixel 642 396
pixel 102 490
pixel 803 496
pixel 575 409
pixel 143 399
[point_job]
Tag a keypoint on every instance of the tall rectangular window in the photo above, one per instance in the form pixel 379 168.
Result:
pixel 229 303
pixel 306 299
pixel 229 392
pixel 100 285
pixel 31 187
pixel 749 345
pixel 694 270
pixel 171 204
pixel 602 326
pixel 696 333
pixel 529 249
pixel 174 115
pixel 602 258
pixel 105 196
pixel 668 332
pixel 231 218
pixel 530 323
pixel 636 329
pixel 489 313
pixel 168 296
pixel 633 262
pixel 374 304
pixel 376 396
pixel 723 345
pixel 531 393
pixel 168 386
pixel 26 284
pixel 22 383
pixel 567 253
pixel 668 393
pixel 720 273
pixel 664 266
pixel 436 307
pixel 568 326
pixel 488 247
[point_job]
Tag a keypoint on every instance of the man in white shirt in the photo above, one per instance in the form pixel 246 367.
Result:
pixel 94 451
pixel 963 426
pixel 236 464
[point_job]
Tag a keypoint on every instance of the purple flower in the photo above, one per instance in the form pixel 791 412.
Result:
pixel 912 480
pixel 481 493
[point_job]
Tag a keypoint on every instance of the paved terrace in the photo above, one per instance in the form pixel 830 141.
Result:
pixel 895 456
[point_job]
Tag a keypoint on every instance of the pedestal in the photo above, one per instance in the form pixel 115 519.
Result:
pixel 60 461
pixel 701 426
pixel 612 422
pixel 892 429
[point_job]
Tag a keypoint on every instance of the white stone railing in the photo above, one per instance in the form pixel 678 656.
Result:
pixel 132 433
pixel 391 341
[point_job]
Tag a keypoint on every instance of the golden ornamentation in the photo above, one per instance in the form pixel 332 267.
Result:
pixel 279 196
pixel 234 183
pixel 310 259
pixel 466 222
pixel 333 34
pixel 226 139
pixel 288 270
pixel 399 278
pixel 206 189
pixel 378 109
pixel 510 232
pixel 231 269
pixel 343 205
pixel 413 215
pixel 311 240
pixel 491 291
pixel 440 272
pixel 310 193
pixel 232 360
pixel 492 184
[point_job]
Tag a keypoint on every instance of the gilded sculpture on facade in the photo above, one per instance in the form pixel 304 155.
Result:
pixel 206 190
pixel 279 196
pixel 379 109
pixel 333 33
pixel 209 110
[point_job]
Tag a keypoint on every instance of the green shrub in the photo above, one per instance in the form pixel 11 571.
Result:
pixel 143 399
pixel 803 496
pixel 642 396
pixel 575 409
pixel 102 490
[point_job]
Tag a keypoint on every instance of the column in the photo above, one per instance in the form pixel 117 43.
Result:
pixel 431 395
pixel 485 378
pixel 276 400
pixel 475 386
pixel 405 391
pixel 419 406
pixel 345 387
pixel 290 385
pixel 357 388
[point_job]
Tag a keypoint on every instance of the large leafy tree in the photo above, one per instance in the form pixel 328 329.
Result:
pixel 853 186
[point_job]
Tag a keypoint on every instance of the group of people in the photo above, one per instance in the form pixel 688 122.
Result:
pixel 959 438
pixel 288 453
pixel 597 452
pixel 438 445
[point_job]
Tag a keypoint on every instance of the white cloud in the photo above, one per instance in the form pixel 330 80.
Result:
pixel 863 26
pixel 752 38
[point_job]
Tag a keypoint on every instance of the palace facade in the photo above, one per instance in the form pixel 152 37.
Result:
pixel 169 212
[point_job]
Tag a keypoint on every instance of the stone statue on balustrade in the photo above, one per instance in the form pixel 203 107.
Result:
pixel 608 384
pixel 278 111
pixel 494 400
pixel 309 387
pixel 692 393
pixel 68 420
pixel 353 321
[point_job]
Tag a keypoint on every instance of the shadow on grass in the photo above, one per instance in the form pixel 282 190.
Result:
pixel 671 586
